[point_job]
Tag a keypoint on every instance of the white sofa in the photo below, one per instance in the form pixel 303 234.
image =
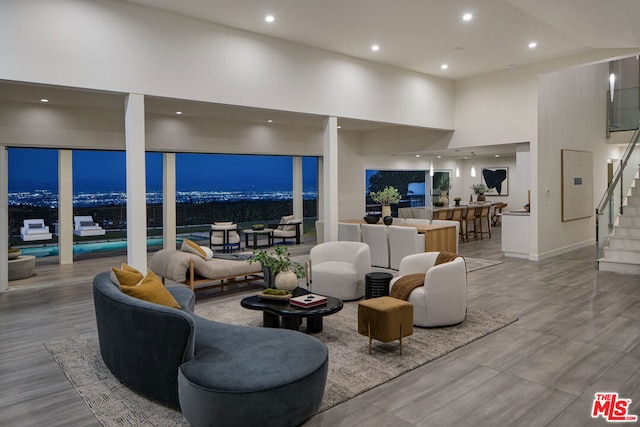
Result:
pixel 338 269
pixel 34 229
pixel 85 226
pixel 442 301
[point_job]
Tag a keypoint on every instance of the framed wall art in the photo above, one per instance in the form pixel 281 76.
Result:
pixel 496 180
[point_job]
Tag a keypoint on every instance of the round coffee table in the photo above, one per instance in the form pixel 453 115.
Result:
pixel 292 316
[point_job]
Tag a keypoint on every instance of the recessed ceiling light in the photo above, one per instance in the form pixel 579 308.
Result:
pixel 269 18
pixel 269 121
pixel 375 48
pixel 467 17
pixel 532 45
pixel 444 66
pixel 417 155
pixel 439 157
pixel 339 127
pixel 497 155
pixel 179 113
pixel 45 100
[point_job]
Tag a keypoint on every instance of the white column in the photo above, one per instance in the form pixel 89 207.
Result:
pixel 330 179
pixel 4 218
pixel 65 206
pixel 298 210
pixel 169 200
pixel 320 184
pixel 136 182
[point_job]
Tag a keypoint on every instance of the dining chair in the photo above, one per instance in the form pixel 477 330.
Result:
pixel 376 237
pixel 483 218
pixel 496 218
pixel 349 232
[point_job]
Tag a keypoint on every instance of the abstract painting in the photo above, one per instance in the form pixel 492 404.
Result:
pixel 496 180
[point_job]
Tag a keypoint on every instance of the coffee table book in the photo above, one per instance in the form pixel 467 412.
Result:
pixel 308 300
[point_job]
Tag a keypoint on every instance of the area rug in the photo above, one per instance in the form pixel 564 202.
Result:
pixel 352 370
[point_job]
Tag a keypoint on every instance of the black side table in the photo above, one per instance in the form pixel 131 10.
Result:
pixel 376 284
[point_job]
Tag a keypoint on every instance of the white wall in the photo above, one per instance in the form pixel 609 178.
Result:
pixel 572 116
pixel 121 47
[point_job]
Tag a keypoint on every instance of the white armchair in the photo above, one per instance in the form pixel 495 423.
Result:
pixel 403 241
pixel 34 229
pixel 376 237
pixel 84 226
pixel 442 300
pixel 338 269
pixel 224 235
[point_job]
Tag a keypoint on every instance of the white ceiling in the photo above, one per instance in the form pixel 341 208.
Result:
pixel 421 35
pixel 418 35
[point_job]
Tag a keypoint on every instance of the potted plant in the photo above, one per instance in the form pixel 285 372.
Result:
pixel 278 268
pixel 444 187
pixel 479 189
pixel 13 253
pixel 386 198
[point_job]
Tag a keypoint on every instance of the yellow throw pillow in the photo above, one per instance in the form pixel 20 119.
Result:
pixel 193 248
pixel 152 289
pixel 126 275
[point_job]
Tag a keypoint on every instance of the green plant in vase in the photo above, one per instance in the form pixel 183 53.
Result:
pixel 387 197
pixel 278 268
pixel 479 190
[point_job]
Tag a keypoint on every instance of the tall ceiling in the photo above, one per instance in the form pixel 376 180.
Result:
pixel 422 35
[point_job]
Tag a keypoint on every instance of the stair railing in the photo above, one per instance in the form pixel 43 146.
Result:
pixel 614 195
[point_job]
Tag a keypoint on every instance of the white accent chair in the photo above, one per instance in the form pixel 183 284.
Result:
pixel 338 269
pixel 376 237
pixel 442 301
pixel 224 235
pixel 34 229
pixel 349 232
pixel 319 232
pixel 403 241
pixel 448 222
pixel 85 226
pixel 288 228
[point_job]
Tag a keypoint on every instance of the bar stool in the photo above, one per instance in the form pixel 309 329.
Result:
pixel 442 214
pixel 456 215
pixel 483 217
pixel 470 218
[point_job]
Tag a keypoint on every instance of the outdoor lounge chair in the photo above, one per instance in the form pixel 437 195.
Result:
pixel 34 229
pixel 289 228
pixel 84 226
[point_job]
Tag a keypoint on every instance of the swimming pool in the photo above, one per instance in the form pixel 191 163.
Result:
pixel 84 248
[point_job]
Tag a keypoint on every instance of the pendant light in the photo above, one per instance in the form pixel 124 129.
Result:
pixel 457 163
pixel 473 164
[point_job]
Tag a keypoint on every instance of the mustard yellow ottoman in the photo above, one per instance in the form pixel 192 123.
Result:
pixel 385 319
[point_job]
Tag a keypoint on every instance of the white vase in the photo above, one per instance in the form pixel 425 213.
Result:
pixel 386 211
pixel 286 280
pixel 443 197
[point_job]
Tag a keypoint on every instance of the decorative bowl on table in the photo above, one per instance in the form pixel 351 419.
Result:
pixel 372 219
pixel 257 227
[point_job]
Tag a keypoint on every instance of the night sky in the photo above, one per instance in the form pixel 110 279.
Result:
pixel 101 171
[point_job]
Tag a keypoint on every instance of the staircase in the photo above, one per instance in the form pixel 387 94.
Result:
pixel 622 253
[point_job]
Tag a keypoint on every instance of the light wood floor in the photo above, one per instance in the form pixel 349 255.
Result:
pixel 578 333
